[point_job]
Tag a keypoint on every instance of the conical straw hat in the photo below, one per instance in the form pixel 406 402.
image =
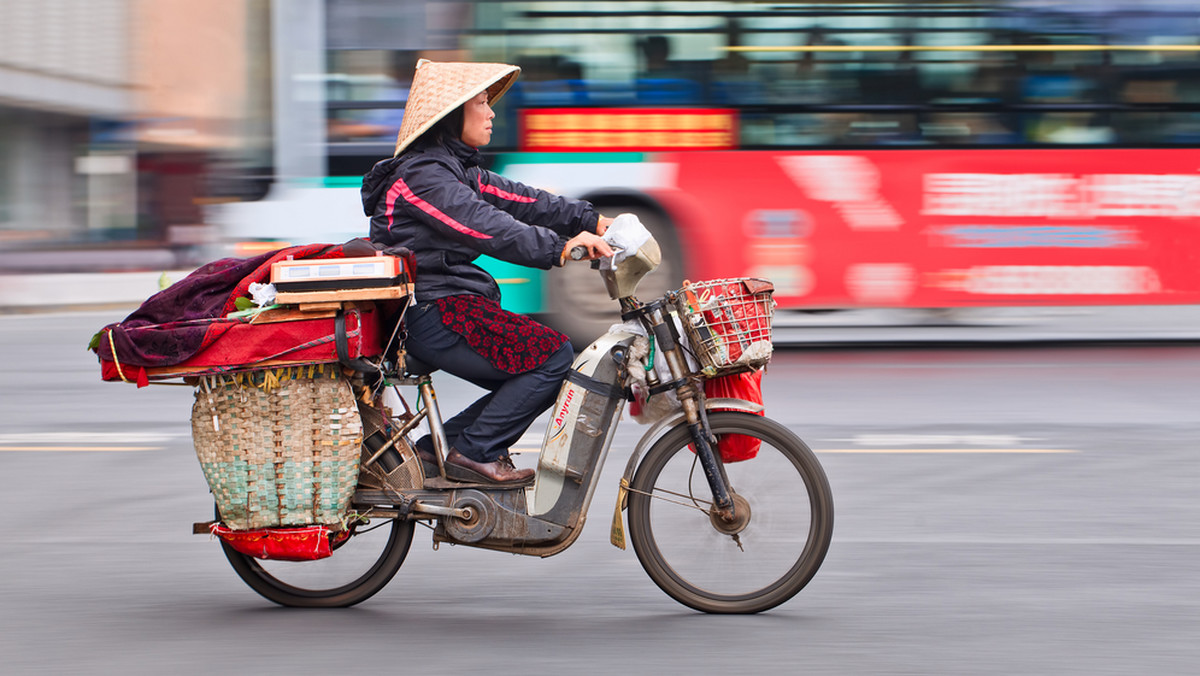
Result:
pixel 440 87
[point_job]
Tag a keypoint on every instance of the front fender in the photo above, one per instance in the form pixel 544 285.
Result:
pixel 656 432
pixel 660 428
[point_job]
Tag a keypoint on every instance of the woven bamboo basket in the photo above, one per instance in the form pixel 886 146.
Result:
pixel 278 447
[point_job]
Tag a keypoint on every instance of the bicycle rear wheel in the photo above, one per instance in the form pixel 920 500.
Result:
pixel 782 495
pixel 360 566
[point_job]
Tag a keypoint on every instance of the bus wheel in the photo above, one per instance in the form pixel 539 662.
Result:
pixel 576 300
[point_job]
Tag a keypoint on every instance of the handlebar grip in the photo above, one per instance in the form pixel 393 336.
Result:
pixel 578 253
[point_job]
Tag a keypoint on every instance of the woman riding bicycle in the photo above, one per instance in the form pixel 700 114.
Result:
pixel 433 198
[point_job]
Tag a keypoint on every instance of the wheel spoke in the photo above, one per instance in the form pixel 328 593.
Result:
pixel 692 501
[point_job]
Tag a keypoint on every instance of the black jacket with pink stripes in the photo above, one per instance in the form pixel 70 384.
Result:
pixel 437 201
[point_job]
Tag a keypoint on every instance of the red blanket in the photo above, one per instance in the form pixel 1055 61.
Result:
pixel 185 325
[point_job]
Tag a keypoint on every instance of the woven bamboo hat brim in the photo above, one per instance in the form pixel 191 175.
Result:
pixel 440 87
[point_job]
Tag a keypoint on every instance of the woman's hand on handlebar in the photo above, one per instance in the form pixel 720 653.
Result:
pixel 585 242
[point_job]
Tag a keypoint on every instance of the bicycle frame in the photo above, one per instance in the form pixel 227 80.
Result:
pixel 547 517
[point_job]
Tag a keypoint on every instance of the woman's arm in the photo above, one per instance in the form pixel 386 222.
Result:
pixel 433 195
pixel 563 215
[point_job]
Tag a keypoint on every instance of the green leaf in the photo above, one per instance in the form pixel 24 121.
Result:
pixel 243 303
pixel 94 343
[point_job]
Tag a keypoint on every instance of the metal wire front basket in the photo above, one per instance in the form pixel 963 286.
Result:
pixel 728 322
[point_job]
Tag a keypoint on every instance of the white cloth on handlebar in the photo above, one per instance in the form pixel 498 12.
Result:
pixel 626 235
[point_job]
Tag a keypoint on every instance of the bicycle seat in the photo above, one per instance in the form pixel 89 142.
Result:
pixel 415 367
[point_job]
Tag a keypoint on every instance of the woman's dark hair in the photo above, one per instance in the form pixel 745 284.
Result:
pixel 445 129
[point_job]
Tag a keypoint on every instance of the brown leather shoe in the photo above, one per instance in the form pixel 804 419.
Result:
pixel 461 468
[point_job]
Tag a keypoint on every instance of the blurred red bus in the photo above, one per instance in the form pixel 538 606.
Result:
pixel 860 155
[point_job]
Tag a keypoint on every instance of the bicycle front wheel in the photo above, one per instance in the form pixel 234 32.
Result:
pixel 782 529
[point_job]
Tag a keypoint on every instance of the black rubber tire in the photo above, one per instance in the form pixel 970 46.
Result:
pixel 787 451
pixel 577 303
pixel 365 586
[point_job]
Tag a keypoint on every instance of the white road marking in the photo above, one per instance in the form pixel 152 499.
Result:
pixel 899 439
pixel 940 443
pixel 49 449
pixel 88 438
pixel 85 441
pixel 944 450
pixel 1039 542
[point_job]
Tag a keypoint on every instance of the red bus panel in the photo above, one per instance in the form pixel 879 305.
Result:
pixel 945 228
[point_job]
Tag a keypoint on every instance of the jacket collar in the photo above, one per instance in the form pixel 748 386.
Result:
pixel 466 154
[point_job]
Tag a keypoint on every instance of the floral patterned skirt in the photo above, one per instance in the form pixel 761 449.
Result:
pixel 511 342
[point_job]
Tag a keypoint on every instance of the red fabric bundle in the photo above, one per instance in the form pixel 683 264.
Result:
pixel 238 344
pixel 305 543
pixel 187 325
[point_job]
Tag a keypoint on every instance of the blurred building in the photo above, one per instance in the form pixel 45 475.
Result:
pixel 110 113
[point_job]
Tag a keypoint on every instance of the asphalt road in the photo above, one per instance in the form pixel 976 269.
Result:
pixel 1000 510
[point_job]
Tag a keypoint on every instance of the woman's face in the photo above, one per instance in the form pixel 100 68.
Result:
pixel 477 121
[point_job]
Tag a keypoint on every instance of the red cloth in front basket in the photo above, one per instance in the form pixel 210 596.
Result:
pixel 303 543
pixel 735 315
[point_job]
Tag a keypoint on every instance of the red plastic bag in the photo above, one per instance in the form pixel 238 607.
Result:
pixel 748 386
pixel 305 543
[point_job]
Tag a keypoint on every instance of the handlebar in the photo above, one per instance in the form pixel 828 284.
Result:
pixel 580 252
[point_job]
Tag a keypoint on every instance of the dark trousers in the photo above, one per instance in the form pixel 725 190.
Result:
pixel 486 429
